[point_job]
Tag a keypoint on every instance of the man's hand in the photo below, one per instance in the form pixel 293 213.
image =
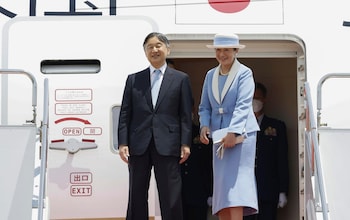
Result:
pixel 185 153
pixel 210 201
pixel 124 153
pixel 282 200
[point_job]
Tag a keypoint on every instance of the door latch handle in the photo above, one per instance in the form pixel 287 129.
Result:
pixel 72 145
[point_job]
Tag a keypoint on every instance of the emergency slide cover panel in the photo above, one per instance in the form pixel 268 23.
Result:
pixel 334 152
pixel 17 151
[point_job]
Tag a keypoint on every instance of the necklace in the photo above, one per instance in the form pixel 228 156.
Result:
pixel 223 74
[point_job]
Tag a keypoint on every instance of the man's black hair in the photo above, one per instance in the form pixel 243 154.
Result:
pixel 160 36
pixel 261 87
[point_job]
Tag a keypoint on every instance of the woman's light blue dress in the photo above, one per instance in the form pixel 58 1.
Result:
pixel 234 179
pixel 233 175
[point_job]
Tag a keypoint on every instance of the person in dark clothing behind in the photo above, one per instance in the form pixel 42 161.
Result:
pixel 197 179
pixel 271 164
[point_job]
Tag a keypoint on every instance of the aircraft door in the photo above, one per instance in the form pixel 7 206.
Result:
pixel 86 61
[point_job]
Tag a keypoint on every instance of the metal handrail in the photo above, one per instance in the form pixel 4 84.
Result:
pixel 319 176
pixel 44 131
pixel 319 91
pixel 34 93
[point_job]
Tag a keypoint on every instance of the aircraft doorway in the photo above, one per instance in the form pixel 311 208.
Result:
pixel 280 66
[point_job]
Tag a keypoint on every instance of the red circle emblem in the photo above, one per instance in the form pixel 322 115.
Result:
pixel 229 6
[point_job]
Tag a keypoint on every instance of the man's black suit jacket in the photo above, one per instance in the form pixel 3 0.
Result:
pixel 169 122
pixel 272 159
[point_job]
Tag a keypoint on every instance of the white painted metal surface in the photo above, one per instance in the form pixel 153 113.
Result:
pixel 17 151
pixel 334 151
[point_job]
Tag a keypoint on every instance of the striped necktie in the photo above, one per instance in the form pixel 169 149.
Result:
pixel 155 84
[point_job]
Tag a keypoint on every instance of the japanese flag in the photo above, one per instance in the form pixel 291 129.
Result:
pixel 229 11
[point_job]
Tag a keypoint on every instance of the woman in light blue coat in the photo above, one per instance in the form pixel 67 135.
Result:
pixel 226 102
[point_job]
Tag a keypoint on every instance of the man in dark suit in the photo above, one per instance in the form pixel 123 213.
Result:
pixel 155 131
pixel 271 164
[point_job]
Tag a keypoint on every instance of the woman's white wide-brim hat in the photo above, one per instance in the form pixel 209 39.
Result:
pixel 226 41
